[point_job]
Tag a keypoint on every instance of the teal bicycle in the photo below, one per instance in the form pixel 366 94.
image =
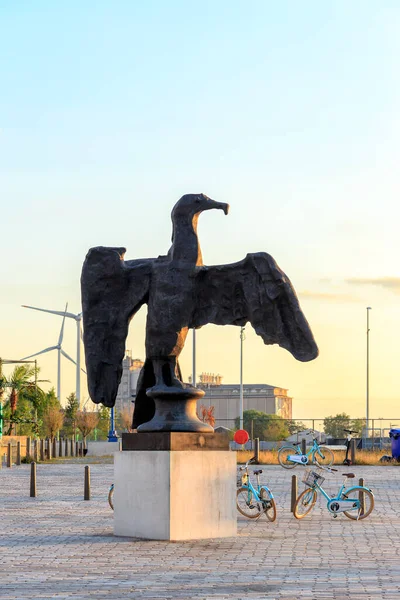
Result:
pixel 252 501
pixel 355 503
pixel 111 496
pixel 291 456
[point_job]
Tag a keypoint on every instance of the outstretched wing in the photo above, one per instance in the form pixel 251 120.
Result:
pixel 112 292
pixel 255 290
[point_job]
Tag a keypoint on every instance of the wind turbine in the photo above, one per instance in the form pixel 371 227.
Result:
pixel 59 351
pixel 78 319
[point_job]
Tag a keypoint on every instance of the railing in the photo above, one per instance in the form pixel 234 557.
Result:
pixel 13 451
pixel 278 429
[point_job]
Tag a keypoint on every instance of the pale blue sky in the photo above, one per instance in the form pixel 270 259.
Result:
pixel 110 111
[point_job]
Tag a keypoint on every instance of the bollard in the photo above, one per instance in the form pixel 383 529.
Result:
pixel 293 496
pixel 66 447
pixel 361 495
pixel 18 461
pixel 303 446
pixel 55 446
pixel 353 451
pixel 28 447
pixel 33 480
pixel 9 455
pixel 257 450
pixel 36 451
pixel 86 494
pixel 42 456
pixel 60 448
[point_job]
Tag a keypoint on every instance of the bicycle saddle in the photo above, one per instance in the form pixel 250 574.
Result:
pixel 349 475
pixel 257 472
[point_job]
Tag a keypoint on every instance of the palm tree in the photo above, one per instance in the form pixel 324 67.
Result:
pixel 20 381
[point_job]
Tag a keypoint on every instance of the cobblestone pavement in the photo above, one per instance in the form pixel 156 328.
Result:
pixel 59 546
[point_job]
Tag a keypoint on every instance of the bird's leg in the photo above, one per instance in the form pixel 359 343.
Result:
pixel 176 382
pixel 165 372
pixel 158 375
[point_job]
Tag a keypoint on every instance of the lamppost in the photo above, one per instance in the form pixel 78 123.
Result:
pixel 112 434
pixel 367 391
pixel 242 338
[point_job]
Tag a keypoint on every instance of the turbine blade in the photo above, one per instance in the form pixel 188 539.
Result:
pixel 67 356
pixel 53 312
pixel 60 339
pixel 41 352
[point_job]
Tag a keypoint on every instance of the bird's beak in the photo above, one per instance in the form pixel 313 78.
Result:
pixel 220 205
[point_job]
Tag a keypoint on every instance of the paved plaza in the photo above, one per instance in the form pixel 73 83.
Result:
pixel 59 546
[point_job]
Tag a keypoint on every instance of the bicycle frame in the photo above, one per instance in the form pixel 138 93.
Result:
pixel 313 450
pixel 338 497
pixel 250 487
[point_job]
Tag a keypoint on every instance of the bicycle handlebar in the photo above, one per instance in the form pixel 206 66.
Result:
pixel 329 469
pixel 314 432
pixel 252 459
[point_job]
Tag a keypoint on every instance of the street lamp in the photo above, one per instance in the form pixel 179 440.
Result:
pixel 367 399
pixel 112 434
pixel 242 338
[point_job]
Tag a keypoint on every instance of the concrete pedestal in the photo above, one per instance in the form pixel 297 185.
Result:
pixel 103 448
pixel 175 495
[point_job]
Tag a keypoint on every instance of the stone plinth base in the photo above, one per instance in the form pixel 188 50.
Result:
pixel 172 440
pixel 169 495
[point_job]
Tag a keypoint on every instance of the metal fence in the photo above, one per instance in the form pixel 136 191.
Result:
pixel 376 436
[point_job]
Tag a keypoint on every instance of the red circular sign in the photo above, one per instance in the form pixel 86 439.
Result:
pixel 241 436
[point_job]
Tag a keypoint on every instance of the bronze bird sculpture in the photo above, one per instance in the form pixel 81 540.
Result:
pixel 181 293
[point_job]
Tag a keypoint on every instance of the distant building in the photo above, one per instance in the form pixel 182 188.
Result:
pixel 127 388
pixel 226 397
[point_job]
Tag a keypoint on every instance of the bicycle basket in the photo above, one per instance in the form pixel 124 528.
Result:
pixel 242 479
pixel 312 477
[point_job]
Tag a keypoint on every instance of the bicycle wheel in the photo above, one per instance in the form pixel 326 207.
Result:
pixel 363 503
pixel 268 504
pixel 305 503
pixel 326 458
pixel 111 497
pixel 283 455
pixel 247 504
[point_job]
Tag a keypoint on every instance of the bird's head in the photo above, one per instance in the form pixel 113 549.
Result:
pixel 193 204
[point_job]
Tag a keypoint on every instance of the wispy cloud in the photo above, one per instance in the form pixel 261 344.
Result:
pixel 328 297
pixel 390 283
